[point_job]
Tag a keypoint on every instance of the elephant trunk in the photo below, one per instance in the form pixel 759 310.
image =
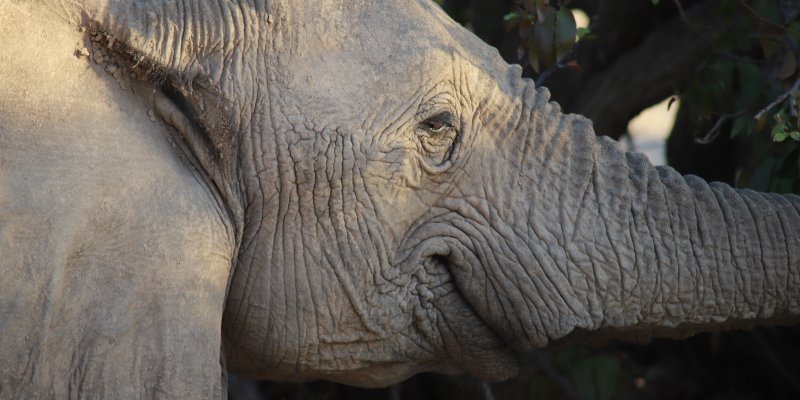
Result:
pixel 603 241
pixel 672 254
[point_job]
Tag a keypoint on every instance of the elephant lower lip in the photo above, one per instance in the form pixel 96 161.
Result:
pixel 472 344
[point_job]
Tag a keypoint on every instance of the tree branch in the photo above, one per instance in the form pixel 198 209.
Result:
pixel 715 130
pixel 650 72
pixel 779 100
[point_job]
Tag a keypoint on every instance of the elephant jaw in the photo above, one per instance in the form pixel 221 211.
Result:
pixel 507 300
pixel 471 344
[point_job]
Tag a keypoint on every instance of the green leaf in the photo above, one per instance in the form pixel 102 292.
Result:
pixel 655 2
pixel 581 32
pixel 544 39
pixel 795 135
pixel 565 32
pixel 779 132
pixel 533 59
pixel 512 17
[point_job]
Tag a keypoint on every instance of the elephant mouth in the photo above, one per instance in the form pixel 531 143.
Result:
pixel 472 345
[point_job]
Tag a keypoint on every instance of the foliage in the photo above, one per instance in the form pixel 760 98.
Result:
pixel 750 87
pixel 547 32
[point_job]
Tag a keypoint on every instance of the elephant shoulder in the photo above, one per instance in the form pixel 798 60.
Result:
pixel 114 252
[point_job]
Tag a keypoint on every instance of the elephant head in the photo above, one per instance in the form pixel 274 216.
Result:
pixel 405 201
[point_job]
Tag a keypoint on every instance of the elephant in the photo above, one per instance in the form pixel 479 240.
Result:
pixel 355 191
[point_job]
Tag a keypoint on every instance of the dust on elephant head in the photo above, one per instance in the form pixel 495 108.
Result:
pixel 404 201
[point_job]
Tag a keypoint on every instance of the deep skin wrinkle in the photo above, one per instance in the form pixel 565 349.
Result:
pixel 357 192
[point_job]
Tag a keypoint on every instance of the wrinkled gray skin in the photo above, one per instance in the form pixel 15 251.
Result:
pixel 355 191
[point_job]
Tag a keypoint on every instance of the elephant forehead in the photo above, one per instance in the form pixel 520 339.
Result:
pixel 371 25
pixel 381 48
pixel 367 78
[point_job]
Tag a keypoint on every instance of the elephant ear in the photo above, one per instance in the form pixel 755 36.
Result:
pixel 192 51
pixel 188 48
pixel 181 39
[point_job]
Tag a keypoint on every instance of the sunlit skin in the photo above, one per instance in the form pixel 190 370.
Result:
pixel 352 192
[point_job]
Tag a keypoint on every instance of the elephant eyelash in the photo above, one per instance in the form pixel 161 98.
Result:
pixel 439 123
pixel 438 139
pixel 438 127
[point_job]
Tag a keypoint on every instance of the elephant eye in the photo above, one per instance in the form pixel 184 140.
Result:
pixel 438 127
pixel 438 139
pixel 439 123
